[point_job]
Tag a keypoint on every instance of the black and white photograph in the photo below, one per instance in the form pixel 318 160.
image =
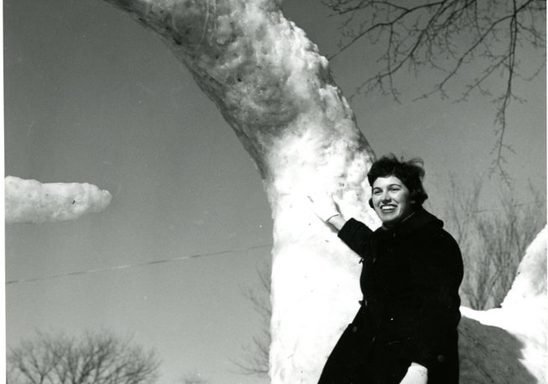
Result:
pixel 268 191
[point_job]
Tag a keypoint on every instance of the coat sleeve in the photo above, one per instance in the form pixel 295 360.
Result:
pixel 356 235
pixel 437 274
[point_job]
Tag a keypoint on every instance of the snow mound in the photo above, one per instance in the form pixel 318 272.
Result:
pixel 530 282
pixel 29 201
pixel 508 344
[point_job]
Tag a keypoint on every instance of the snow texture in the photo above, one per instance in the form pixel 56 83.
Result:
pixel 509 344
pixel 530 282
pixel 276 92
pixel 29 201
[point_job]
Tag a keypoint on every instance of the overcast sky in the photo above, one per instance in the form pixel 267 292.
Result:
pixel 90 96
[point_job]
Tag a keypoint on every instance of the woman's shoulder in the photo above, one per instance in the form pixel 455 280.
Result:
pixel 439 235
pixel 443 236
pixel 439 247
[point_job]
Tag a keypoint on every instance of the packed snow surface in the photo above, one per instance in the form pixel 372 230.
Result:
pixel 29 201
pixel 510 342
pixel 530 283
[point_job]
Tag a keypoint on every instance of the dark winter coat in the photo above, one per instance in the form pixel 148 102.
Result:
pixel 410 309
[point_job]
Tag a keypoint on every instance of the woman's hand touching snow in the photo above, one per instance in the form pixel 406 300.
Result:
pixel 325 208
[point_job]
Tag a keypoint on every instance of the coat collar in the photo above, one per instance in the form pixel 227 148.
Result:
pixel 418 220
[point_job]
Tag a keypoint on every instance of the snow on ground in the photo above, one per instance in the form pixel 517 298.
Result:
pixel 509 344
pixel 29 201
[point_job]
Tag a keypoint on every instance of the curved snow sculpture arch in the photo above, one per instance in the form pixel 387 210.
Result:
pixel 275 90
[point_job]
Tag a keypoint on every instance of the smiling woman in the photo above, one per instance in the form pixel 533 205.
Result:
pixel 406 328
pixel 397 189
pixel 390 200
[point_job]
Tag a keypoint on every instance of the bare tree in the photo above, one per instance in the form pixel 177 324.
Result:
pixel 492 241
pixel 95 358
pixel 466 45
pixel 256 359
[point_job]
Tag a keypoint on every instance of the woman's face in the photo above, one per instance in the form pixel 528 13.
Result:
pixel 390 199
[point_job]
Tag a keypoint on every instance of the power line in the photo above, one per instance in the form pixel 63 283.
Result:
pixel 141 264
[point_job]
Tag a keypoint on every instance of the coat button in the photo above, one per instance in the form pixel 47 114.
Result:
pixel 441 358
pixel 354 328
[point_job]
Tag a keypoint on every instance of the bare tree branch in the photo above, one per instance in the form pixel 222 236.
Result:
pixel 257 355
pixel 98 358
pixel 492 241
pixel 468 43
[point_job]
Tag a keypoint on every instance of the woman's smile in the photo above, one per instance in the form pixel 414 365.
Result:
pixel 390 199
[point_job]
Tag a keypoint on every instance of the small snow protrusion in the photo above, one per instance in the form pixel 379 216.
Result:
pixel 530 281
pixel 29 201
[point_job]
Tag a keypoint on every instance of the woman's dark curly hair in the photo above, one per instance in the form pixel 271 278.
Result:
pixel 410 172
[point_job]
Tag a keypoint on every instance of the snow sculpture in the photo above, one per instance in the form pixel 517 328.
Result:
pixel 276 92
pixel 29 201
